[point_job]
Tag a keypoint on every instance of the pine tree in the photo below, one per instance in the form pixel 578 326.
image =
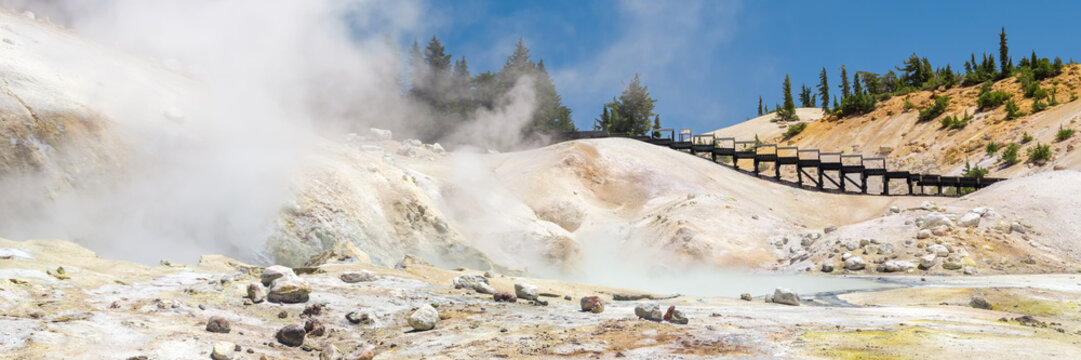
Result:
pixel 805 96
pixel 1004 55
pixel 824 89
pixel 788 111
pixel 844 82
pixel 435 56
pixel 759 106
pixel 604 122
pixel 657 122
pixel 857 89
pixel 632 110
pixel 549 115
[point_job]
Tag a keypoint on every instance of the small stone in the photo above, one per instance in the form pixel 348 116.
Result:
pixel 649 311
pixel 329 352
pixel 217 324
pixel 675 316
pixel 489 274
pixel 745 297
pixel 829 229
pixel 935 219
pixel 355 277
pixel 291 335
pixel 1018 228
pixel 359 317
pixel 785 297
pixel 504 296
pixel 223 351
pixel 970 220
pixel 567 297
pixel 424 318
pixel 593 304
pixel 477 283
pixel 314 328
pixel 827 267
pixel 855 263
pixel 968 270
pixel 313 310
pixel 283 314
pixel 938 250
pixel 256 292
pixel 525 291
pixel 894 209
pixel 928 261
pixel 979 303
pixel 924 234
pixel 928 205
pixel 362 354
pixel 895 266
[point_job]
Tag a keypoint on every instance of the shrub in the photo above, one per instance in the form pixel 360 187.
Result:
pixel 1038 106
pixel 1012 110
pixel 974 171
pixel 857 105
pixel 889 112
pixel 909 105
pixel 953 122
pixel 1039 152
pixel 1063 134
pixel 1025 138
pixel 936 109
pixel 992 99
pixel 794 130
pixel 1073 97
pixel 1009 154
pixel 992 148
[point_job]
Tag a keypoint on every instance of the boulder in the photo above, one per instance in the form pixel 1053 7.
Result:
pixel 675 316
pixel 313 327
pixel 256 292
pixel 217 324
pixel 924 234
pixel 593 304
pixel 649 311
pixel 935 219
pixel 291 335
pixel 289 290
pixel 979 303
pixel 223 351
pixel 939 250
pixel 827 267
pixel 855 263
pixel 359 317
pixel 898 265
pixel 477 283
pixel 969 220
pixel 355 277
pixel 526 291
pixel 928 261
pixel 785 297
pixel 273 272
pixel 952 263
pixel 504 296
pixel 424 318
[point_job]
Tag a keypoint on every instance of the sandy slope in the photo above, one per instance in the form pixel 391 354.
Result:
pixel 764 126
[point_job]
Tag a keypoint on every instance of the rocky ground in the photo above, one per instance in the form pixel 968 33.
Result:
pixel 60 301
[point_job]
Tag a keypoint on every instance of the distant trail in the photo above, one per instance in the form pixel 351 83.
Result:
pixel 841 165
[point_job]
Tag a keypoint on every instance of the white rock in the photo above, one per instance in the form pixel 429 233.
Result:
pixel 1018 228
pixel 289 290
pixel 899 265
pixel 649 311
pixel 928 205
pixel 355 277
pixel 273 272
pixel 438 149
pixel 223 351
pixel 845 256
pixel 525 291
pixel 894 209
pixel 8 254
pixel 923 234
pixel 936 219
pixel 256 292
pixel 785 297
pixel 476 283
pixel 968 270
pixel 855 263
pixel 380 134
pixel 938 250
pixel 928 261
pixel 970 220
pixel 424 318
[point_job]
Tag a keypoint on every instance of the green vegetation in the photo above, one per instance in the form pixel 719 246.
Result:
pixel 631 112
pixel 936 109
pixel 760 106
pixel 1063 134
pixel 909 105
pixel 1038 106
pixel 1012 110
pixel 1039 153
pixel 788 111
pixel 974 171
pixel 953 122
pixel 794 130
pixel 1026 138
pixel 806 97
pixel 992 148
pixel 991 99
pixel 824 89
pixel 1009 154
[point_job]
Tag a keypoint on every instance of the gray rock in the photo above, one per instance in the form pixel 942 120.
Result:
pixel 256 292
pixel 677 316
pixel 745 297
pixel 314 327
pixel 359 317
pixel 1018 228
pixel 979 303
pixel 928 261
pixel 525 291
pixel 273 272
pixel 649 311
pixel 329 352
pixel 289 290
pixel 939 250
pixel 827 267
pixel 477 283
pixel 952 263
pixel 223 351
pixel 968 270
pixel 898 265
pixel 894 209
pixel 380 134
pixel 886 248
pixel 291 335
pixel 924 234
pixel 855 263
pixel 593 304
pixel 829 229
pixel 935 219
pixel 969 220
pixel 424 318
pixel 785 297
pixel 218 324
pixel 928 205
pixel 355 277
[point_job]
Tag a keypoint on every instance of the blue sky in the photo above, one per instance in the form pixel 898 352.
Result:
pixel 706 62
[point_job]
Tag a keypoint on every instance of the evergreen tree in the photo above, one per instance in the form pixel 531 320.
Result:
pixel 550 115
pixel 1004 55
pixel 436 57
pixel 657 122
pixel 759 106
pixel 604 122
pixel 824 89
pixel 632 111
pixel 857 89
pixel 788 111
pixel 835 103
pixel 844 82
pixel 806 98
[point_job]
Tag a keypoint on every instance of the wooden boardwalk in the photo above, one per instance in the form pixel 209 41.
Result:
pixel 814 169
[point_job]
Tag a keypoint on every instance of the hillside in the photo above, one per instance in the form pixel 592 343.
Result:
pixel 765 127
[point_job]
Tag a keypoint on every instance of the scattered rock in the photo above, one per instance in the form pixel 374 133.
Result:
pixel 894 209
pixel 971 219
pixel 489 274
pixel 313 310
pixel 928 261
pixel 217 324
pixel 364 353
pixel 291 335
pixel 526 291
pixel 223 351
pixel 329 352
pixel 283 314
pixel 898 265
pixel 289 290
pixel 314 328
pixel 924 234
pixel 424 318
pixel 256 292
pixel 675 316
pixel 747 297
pixel 359 317
pixel 1018 228
pixel 968 270
pixel 935 219
pixel 855 263
pixel 979 303
pixel 939 250
pixel 827 267
pixel 785 297
pixel 593 304
pixel 829 229
pixel 928 205
pixel 649 311
pixel 477 283
pixel 355 277
pixel 504 296
pixel 272 273
pixel 952 263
